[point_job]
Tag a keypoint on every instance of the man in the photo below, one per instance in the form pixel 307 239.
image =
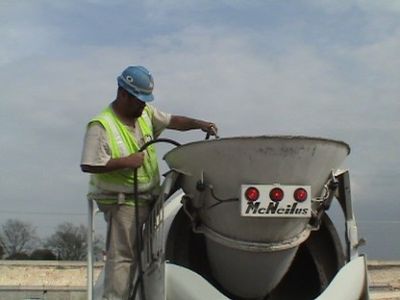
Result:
pixel 110 153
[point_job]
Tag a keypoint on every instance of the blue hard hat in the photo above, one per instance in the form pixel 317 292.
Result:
pixel 137 81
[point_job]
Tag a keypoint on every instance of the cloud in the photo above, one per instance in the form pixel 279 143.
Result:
pixel 381 57
pixel 369 6
pixel 23 33
pixel 202 72
pixel 251 77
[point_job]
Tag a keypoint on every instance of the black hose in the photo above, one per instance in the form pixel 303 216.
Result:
pixel 159 141
pixel 218 199
pixel 139 237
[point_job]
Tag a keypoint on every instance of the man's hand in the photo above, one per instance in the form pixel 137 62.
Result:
pixel 135 160
pixel 184 123
pixel 209 128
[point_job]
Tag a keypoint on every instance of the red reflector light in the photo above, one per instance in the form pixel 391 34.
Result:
pixel 276 194
pixel 252 194
pixel 300 195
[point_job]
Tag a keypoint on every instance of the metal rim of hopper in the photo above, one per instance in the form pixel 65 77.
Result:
pixel 285 137
pixel 255 246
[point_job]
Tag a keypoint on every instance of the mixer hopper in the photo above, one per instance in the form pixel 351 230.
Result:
pixel 250 255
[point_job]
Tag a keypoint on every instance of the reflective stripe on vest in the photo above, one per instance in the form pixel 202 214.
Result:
pixel 123 150
pixel 122 143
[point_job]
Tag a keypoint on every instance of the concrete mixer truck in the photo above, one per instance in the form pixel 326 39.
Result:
pixel 245 218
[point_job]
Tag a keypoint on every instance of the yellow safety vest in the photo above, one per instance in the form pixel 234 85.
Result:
pixel 122 143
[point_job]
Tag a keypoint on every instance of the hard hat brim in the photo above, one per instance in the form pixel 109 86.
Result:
pixel 141 96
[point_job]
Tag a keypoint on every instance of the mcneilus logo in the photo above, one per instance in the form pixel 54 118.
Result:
pixel 274 209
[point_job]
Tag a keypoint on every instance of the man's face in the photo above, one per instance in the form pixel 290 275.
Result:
pixel 134 106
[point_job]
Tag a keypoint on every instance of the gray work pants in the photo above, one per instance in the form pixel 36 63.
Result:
pixel 120 248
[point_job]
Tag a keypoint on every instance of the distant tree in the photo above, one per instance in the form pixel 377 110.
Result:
pixel 69 242
pixel 19 256
pixel 1 252
pixel 43 254
pixel 17 237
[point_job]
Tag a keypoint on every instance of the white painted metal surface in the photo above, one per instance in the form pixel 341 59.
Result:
pixel 349 283
pixel 184 284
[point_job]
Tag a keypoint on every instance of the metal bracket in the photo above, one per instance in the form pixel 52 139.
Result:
pixel 346 203
pixel 325 201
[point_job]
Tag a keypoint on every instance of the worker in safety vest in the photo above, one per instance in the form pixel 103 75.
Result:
pixel 110 153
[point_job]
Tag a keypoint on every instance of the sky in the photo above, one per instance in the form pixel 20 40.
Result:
pixel 320 68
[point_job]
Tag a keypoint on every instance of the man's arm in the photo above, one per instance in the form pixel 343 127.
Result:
pixel 184 123
pixel 96 156
pixel 132 161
